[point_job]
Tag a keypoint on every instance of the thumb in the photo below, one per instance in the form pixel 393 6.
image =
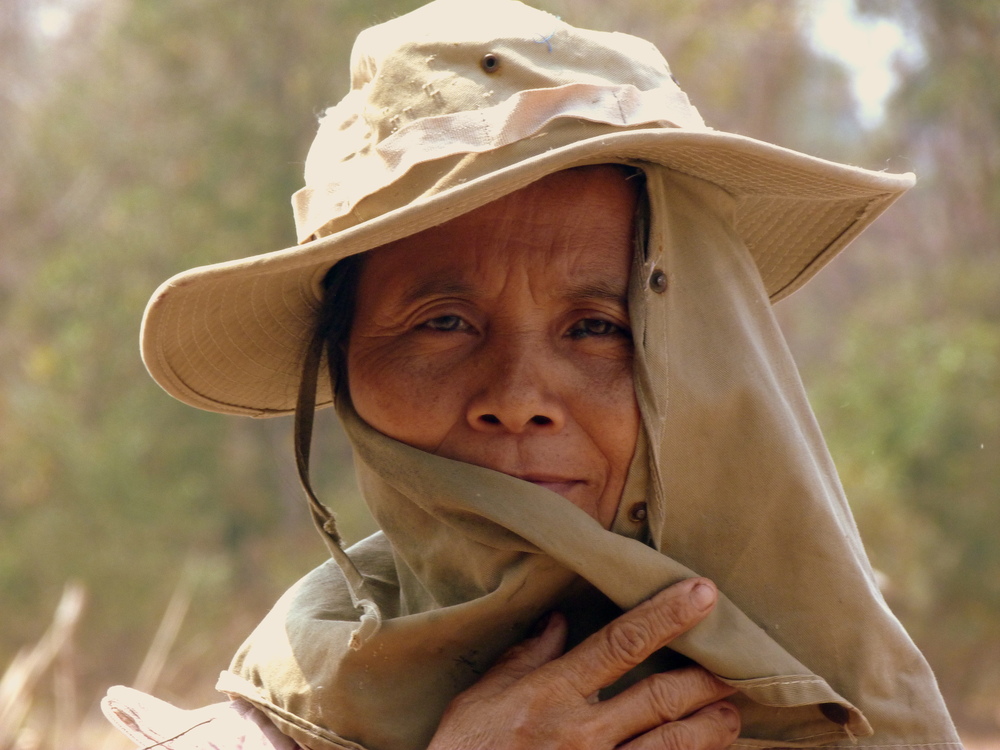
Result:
pixel 524 658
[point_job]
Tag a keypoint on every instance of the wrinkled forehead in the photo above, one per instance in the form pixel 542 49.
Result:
pixel 574 227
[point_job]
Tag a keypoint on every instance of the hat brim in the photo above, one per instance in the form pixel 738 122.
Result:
pixel 230 337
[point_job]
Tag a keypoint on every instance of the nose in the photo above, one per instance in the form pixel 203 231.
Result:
pixel 518 391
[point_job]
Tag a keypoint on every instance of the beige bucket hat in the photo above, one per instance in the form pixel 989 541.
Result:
pixel 453 106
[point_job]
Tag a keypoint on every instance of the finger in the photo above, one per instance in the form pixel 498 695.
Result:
pixel 628 640
pixel 712 728
pixel 662 698
pixel 523 658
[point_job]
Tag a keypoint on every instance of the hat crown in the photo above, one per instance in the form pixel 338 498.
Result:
pixel 434 61
pixel 464 73
pixel 442 47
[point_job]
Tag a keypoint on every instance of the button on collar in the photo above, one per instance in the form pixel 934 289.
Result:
pixel 637 513
pixel 658 281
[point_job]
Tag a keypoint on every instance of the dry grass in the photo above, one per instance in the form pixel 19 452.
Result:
pixel 39 701
pixel 19 687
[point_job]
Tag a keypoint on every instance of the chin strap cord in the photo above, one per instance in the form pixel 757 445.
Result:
pixel 305 412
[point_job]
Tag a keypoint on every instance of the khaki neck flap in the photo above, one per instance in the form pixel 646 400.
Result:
pixel 739 487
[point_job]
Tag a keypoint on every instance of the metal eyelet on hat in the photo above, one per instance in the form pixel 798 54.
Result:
pixel 490 63
pixel 658 281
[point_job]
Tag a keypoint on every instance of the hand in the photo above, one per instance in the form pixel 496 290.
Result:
pixel 536 699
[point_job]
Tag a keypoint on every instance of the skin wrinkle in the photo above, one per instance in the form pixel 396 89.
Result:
pixel 502 338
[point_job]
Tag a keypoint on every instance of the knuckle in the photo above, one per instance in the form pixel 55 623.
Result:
pixel 628 640
pixel 670 617
pixel 667 696
pixel 677 736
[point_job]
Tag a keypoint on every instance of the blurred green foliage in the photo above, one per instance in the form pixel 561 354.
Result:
pixel 154 136
pixel 905 377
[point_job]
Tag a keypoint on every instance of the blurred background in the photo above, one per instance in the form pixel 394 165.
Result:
pixel 141 540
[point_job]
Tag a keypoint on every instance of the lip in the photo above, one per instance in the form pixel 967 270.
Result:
pixel 560 485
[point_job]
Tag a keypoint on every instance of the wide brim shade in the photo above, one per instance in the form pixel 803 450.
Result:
pixel 231 337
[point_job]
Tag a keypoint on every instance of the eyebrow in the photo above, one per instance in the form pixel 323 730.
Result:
pixel 437 287
pixel 599 289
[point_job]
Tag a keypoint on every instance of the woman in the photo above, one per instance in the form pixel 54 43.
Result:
pixel 566 392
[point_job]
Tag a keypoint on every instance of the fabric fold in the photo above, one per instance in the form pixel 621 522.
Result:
pixel 739 487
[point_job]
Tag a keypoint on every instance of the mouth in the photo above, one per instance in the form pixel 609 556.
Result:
pixel 559 485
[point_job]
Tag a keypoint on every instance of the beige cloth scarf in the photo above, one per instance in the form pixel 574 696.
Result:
pixel 739 487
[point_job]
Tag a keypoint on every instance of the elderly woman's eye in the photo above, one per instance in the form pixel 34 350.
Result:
pixel 446 323
pixel 596 327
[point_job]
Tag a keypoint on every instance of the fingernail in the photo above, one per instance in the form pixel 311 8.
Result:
pixel 729 717
pixel 539 627
pixel 702 596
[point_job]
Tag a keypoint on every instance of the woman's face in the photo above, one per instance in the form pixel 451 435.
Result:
pixel 501 338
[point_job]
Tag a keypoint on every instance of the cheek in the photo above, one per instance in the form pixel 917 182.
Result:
pixel 399 395
pixel 620 425
pixel 609 414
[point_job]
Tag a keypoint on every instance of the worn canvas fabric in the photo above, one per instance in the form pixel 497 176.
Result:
pixel 451 107
pixel 738 486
